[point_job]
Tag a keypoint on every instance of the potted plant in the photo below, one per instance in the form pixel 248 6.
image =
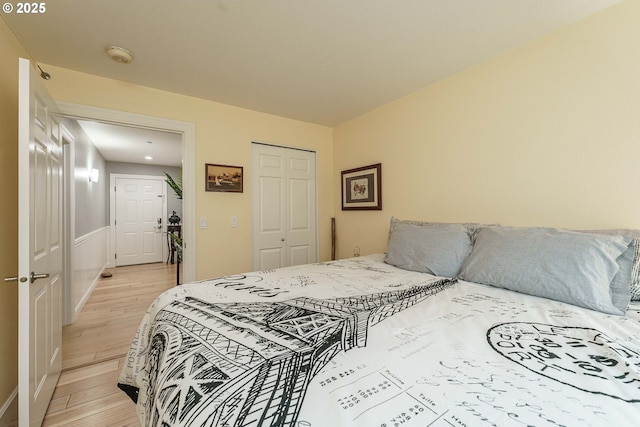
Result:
pixel 176 186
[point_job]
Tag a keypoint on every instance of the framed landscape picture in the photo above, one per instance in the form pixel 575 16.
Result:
pixel 223 178
pixel 361 188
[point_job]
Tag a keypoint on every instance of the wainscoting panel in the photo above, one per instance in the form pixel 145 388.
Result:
pixel 90 258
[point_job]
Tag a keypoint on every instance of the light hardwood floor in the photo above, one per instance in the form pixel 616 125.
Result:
pixel 95 345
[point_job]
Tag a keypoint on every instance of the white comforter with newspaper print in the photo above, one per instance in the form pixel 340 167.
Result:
pixel 358 342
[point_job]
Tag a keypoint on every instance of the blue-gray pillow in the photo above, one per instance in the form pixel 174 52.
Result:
pixel 583 269
pixel 472 228
pixel 635 272
pixel 438 249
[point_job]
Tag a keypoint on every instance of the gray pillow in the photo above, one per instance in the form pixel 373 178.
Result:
pixel 438 249
pixel 472 228
pixel 635 272
pixel 583 269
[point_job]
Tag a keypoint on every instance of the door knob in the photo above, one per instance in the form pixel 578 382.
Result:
pixel 282 240
pixel 36 276
pixel 15 279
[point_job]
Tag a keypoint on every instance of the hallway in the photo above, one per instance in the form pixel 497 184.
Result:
pixel 95 345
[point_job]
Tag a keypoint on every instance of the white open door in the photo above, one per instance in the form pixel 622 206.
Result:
pixel 39 248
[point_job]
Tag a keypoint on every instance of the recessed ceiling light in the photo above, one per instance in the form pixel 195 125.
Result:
pixel 148 158
pixel 119 54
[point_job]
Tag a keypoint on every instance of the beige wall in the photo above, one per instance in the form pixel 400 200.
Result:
pixel 223 135
pixel 546 135
pixel 10 51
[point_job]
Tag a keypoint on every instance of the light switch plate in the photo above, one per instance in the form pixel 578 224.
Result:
pixel 234 221
pixel 204 222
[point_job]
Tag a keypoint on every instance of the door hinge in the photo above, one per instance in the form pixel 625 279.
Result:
pixel 115 256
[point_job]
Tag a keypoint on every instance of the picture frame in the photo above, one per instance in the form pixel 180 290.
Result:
pixel 362 188
pixel 223 178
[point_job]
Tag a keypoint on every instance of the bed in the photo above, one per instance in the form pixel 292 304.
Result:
pixel 455 325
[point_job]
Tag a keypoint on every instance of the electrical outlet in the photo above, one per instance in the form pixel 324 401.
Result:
pixel 356 251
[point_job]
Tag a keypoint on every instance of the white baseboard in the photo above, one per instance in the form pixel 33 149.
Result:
pixel 9 411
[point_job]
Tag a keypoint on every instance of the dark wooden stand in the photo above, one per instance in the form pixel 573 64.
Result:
pixel 173 248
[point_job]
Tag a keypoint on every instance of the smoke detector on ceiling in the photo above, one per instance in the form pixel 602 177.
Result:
pixel 119 54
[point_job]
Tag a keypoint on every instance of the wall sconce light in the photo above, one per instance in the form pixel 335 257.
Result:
pixel 94 175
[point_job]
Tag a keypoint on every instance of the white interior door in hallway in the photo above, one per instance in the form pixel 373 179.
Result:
pixel 140 217
pixel 40 247
pixel 284 206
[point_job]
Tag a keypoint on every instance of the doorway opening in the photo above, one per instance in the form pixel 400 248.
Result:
pixel 184 131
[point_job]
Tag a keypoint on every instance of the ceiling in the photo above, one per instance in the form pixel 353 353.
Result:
pixel 134 145
pixel 321 62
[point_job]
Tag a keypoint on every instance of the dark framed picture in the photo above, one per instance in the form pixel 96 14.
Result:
pixel 361 188
pixel 223 178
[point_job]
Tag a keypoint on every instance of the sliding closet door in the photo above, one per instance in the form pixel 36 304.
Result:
pixel 284 206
